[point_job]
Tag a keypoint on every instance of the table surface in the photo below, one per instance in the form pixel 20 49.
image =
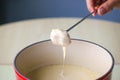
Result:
pixel 15 36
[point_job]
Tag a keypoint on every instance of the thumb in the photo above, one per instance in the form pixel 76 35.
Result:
pixel 105 7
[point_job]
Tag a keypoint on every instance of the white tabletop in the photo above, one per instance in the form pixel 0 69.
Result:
pixel 15 36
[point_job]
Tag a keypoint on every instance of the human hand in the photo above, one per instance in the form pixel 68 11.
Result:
pixel 103 6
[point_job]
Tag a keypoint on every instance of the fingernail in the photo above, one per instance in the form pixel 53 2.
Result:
pixel 101 11
pixel 94 14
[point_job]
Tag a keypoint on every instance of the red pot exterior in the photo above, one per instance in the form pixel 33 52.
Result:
pixel 19 76
pixel 106 77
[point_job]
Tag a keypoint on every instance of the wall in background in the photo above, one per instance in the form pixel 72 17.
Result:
pixel 16 10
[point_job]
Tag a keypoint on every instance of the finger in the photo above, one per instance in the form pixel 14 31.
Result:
pixel 106 7
pixel 90 6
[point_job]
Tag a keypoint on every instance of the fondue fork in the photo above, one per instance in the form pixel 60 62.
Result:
pixel 79 21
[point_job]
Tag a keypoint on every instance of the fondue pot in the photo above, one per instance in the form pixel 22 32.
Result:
pixel 79 52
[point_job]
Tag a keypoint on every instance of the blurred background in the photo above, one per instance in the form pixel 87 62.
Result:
pixel 16 10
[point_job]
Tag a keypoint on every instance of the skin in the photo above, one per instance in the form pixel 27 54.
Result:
pixel 102 7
